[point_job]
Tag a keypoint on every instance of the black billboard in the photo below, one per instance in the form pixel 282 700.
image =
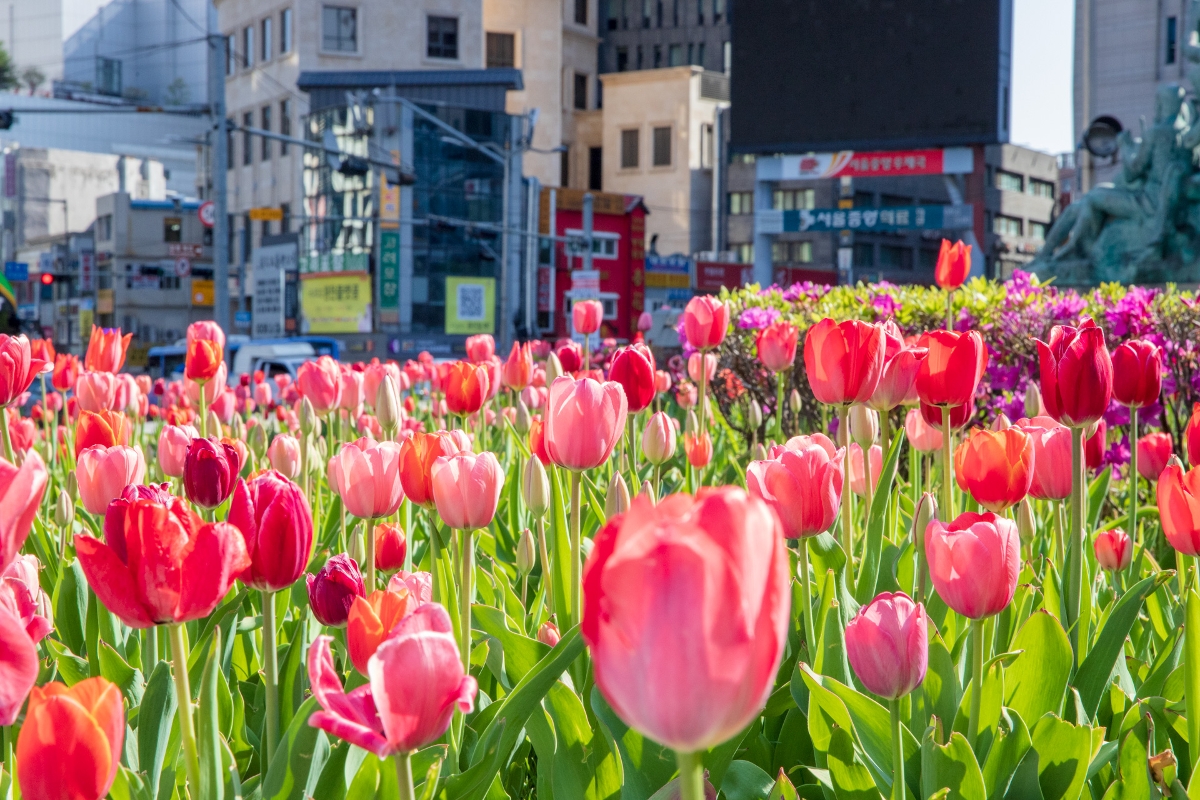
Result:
pixel 819 75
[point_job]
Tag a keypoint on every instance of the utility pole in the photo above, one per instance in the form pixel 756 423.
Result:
pixel 219 163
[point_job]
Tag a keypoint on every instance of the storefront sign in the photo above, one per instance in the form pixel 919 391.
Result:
pixel 202 292
pixel 336 303
pixel 712 276
pixel 667 272
pixel 389 276
pixel 470 305
pixel 853 164
pixel 896 218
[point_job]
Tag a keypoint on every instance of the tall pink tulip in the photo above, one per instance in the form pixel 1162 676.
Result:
pixel 776 345
pixel 584 420
pixel 586 316
pixel 352 390
pixel 922 436
pixel 686 612
pixel 705 321
pixel 284 455
pixel 466 489
pixel 173 442
pixel 858 476
pixel 706 360
pixel 103 472
pixel 898 383
pixel 803 485
pixel 974 562
pixel 367 478
pixel 1051 458
pixel 96 391
pixel 321 382
pixel 887 644
pixel 21 490
pixel 18 665
pixel 480 348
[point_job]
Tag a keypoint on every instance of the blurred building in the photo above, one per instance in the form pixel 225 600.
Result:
pixel 651 34
pixel 32 35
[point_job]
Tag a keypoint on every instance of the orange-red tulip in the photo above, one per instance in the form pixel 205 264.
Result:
pixel 776 345
pixel 70 745
pixel 371 619
pixel 953 264
pixel 1153 452
pixel 417 454
pixel 997 467
pixel 950 372
pixel 698 448
pixel 106 428
pixel 466 386
pixel 1179 508
pixel 843 360
pixel 42 350
pixel 518 369
pixel 106 350
pixel 204 358
pixel 390 547
pixel 66 372
pixel 1076 373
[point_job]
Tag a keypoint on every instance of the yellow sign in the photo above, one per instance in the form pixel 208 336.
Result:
pixel 267 214
pixel 202 292
pixel 104 301
pixel 336 302
pixel 86 318
pixel 470 305
pixel 389 204
pixel 666 280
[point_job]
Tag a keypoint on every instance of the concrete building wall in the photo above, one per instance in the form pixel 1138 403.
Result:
pixel 32 33
pixel 664 33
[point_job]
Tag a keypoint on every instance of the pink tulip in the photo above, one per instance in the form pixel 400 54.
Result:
pixel 321 382
pixel 353 393
pixel 104 471
pixel 898 383
pixel 1153 451
pixel 687 395
pixel 1114 550
pixel 96 392
pixel 1051 458
pixel 173 444
pixel 466 489
pixel 658 440
pixel 922 436
pixel 480 348
pixel 584 420
pixel 22 594
pixel 206 329
pixel 373 377
pixel 888 646
pixel 18 666
pixel 586 315
pixel 416 682
pixel 776 345
pixel 21 490
pixel 858 477
pixel 974 562
pixel 705 321
pixel 645 321
pixel 284 455
pixel 262 394
pixel 662 381
pixel 709 360
pixel 686 608
pixel 802 483
pixel 366 476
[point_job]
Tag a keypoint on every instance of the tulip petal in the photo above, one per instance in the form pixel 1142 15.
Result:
pixel 217 556
pixel 18 666
pixel 22 495
pixel 112 581
pixel 58 730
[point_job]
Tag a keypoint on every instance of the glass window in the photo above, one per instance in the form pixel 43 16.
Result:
pixel 285 31
pixel 741 203
pixel 172 229
pixel 646 13
pixel 745 252
pixel 581 9
pixel 699 12
pixel 1172 40
pixel 1009 181
pixel 581 82
pixel 613 14
pixel 629 149
pixel 675 55
pixel 700 54
pixel 265 116
pixel 779 252
pixel 662 147
pixel 248 47
pixel 802 252
pixel 1037 230
pixel 247 140
pixel 339 29
pixel 622 59
pixel 657 56
pixel 1006 226
pixel 1041 188
pixel 895 256
pixel 864 254
pixel 230 54
pixel 267 46
pixel 500 50
pixel 285 123
pixel 442 37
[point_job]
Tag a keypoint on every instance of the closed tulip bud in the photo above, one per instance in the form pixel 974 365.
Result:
pixel 1026 525
pixel 322 447
pixel 927 511
pixel 693 422
pixel 354 547
pixel 72 487
pixel 658 440
pixel 758 452
pixel 888 646
pixel 331 591
pixel 391 547
pixel 535 487
pixel 214 423
pixel 387 404
pixel 526 553
pixel 308 416
pixel 522 421
pixel 548 634
pixel 1113 549
pixel 648 491
pixel 210 472
pixel 64 511
pixel 864 425
pixel 616 501
pixel 754 415
pixel 1001 422
pixel 237 428
pixel 1033 401
pixel 794 401
pixel 554 368
pixel 258 441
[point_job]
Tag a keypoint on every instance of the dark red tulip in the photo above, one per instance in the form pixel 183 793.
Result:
pixel 1095 445
pixel 1137 367
pixel 959 415
pixel 331 591
pixel 1077 374
pixel 210 471
pixel 276 522
pixel 633 367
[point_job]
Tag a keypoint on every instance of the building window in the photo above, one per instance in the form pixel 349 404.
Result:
pixel 564 168
pixel 629 149
pixel 744 252
pixel 1172 39
pixel 285 123
pixel 229 142
pixel 1009 181
pixel 104 228
pixel 895 257
pixel 658 12
pixel 726 57
pixel 581 82
pixel 791 253
pixel 285 31
pixel 595 169
pixel 741 203
pixel 675 13
pixel 441 39
pixel 581 12
pixel 172 229
pixel 864 255
pixel 657 56
pixel 700 54
pixel 247 140
pixel 247 244
pixel 285 224
pixel 802 252
pixel 248 47
pixel 1006 226
pixel 267 45
pixel 1037 230
pixel 265 115
pixel 500 50
pixel 792 199
pixel 675 55
pixel 699 12
pixel 718 11
pixel 339 29
pixel 230 54
pixel 779 252
pixel 1039 188
pixel 613 15
pixel 622 59
pixel 662 147
pixel 639 56
pixel 646 13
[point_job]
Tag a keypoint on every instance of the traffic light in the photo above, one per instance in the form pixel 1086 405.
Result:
pixel 47 286
pixel 47 278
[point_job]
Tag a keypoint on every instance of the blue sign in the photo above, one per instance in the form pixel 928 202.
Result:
pixel 241 319
pixel 16 270
pixel 676 264
pixel 895 218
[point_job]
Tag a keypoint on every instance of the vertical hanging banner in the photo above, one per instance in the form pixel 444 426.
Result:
pixel 389 277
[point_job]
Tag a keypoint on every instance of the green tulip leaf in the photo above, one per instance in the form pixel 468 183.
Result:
pixel 951 766
pixel 1008 748
pixel 746 781
pixel 869 569
pixel 70 608
pixel 851 780
pixel 646 765
pixel 1036 682
pixel 941 690
pixel 155 716
pixel 521 653
pixel 299 759
pixel 1064 753
pixel 208 734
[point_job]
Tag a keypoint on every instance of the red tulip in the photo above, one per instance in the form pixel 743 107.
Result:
pixel 686 608
pixel 1114 550
pixel 18 368
pixel 321 382
pixel 935 416
pixel 1191 436
pixel 922 436
pixel 70 745
pixel 633 367
pixel 802 482
pixel 210 471
pixel 390 547
pixel 1077 374
pixel 776 345
pixel 366 476
pixel 843 360
pixel 1137 367
pixel 103 472
pixel 18 664
pixel 371 619
pixel 658 440
pixel 176 568
pixel 466 387
pixel 586 316
pixel 417 454
pixel 705 321
pixel 466 489
pixel 416 682
pixel 1095 445
pixel 953 264
pixel 888 646
pixel 698 448
pixel 106 350
pixel 584 419
pixel 517 371
pixel 42 350
pixel 1179 508
pixel 274 518
pixel 974 562
pixel 480 348
pixel 950 372
pixel 1051 459
pixel 1153 452
pixel 66 372
pixel 569 355
pixel 332 590
pixel 204 358
pixel 898 383
pixel 997 467
pixel 114 515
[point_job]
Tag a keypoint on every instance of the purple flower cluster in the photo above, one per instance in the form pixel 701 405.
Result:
pixel 756 318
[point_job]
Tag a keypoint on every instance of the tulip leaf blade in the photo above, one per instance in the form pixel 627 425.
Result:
pixel 299 759
pixel 851 780
pixel 559 545
pixel 521 653
pixel 941 689
pixel 951 766
pixel 1097 493
pixel 746 781
pixel 1036 682
pixel 1091 680
pixel 1009 746
pixel 646 765
pixel 1064 753
pixel 70 608
pixel 208 734
pixel 115 669
pixel 155 717
pixel 868 574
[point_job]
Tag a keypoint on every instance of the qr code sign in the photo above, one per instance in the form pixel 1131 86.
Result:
pixel 471 302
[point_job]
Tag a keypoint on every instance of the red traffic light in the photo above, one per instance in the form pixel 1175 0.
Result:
pixel 47 278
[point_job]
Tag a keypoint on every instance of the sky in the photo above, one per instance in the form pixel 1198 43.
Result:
pixel 77 12
pixel 1043 35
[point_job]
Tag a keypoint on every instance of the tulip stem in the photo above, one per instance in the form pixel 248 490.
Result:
pixel 270 675
pixel 547 585
pixel 691 776
pixel 1133 474
pixel 779 406
pixel 149 649
pixel 976 680
pixel 203 412
pixel 806 607
pixel 897 750
pixel 947 467
pixel 468 574
pixel 404 776
pixel 576 550
pixel 1075 544
pixel 8 451
pixel 949 309
pixel 408 531
pixel 847 497
pixel 369 549
pixel 183 694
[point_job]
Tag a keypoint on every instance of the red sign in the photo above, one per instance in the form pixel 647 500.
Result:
pixel 184 250
pixel 207 213
pixel 853 164
pixel 712 275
